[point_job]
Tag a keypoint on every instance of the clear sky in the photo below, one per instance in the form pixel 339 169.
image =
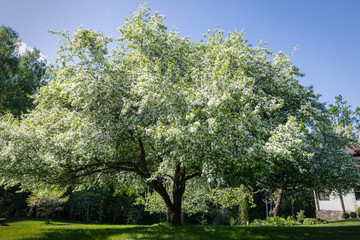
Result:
pixel 327 31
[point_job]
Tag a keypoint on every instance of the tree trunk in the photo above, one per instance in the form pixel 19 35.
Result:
pixel 168 215
pixel 175 208
pixel 342 202
pixel 71 213
pixel 278 202
pixel 88 209
pixel 114 217
pixel 178 189
pixel 223 215
pixel 266 205
pixel 316 201
pixel 175 216
pixel 217 214
pixel 141 209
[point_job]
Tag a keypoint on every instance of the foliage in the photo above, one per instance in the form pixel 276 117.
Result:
pixel 358 211
pixel 243 212
pixel 13 201
pixel 233 221
pixel 275 221
pixel 297 155
pixel 313 221
pixel 46 202
pixel 21 74
pixel 300 216
pixel 342 114
pixel 345 215
pixel 152 201
pixel 353 215
pixel 231 196
pixel 160 109
pixel 289 221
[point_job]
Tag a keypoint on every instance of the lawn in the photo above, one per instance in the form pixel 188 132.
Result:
pixel 31 229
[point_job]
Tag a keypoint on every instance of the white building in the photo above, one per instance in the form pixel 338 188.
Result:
pixel 331 206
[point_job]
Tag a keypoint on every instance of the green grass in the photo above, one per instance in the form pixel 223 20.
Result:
pixel 30 229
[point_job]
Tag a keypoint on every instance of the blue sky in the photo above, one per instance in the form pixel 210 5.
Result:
pixel 327 32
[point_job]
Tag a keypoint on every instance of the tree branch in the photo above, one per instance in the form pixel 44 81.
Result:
pixel 192 176
pixel 142 159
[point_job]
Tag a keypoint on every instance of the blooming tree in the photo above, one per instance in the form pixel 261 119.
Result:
pixel 299 158
pixel 157 108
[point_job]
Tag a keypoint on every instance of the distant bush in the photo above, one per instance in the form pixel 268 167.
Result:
pixel 358 211
pixel 353 215
pixel 257 222
pixel 233 221
pixel 290 221
pixel 345 215
pixel 270 221
pixel 313 221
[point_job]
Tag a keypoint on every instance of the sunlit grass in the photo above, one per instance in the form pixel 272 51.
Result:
pixel 31 229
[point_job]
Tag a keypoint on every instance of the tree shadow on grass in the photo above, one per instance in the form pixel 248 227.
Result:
pixel 202 232
pixel 19 219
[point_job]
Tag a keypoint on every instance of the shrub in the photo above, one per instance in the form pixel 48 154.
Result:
pixel 301 216
pixel 290 218
pixel 322 221
pixel 310 221
pixel 233 221
pixel 290 221
pixel 275 221
pixel 313 221
pixel 353 215
pixel 257 222
pixel 358 211
pixel 345 215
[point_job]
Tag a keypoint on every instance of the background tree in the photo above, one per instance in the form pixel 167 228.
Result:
pixel 13 202
pixel 309 159
pixel 346 120
pixel 341 113
pixel 157 109
pixel 21 74
pixel 47 202
pixel 303 155
pixel 235 196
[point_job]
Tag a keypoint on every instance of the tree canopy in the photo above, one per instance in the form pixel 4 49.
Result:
pixel 160 108
pixel 21 74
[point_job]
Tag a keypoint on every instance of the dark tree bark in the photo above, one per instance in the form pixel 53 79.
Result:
pixel 174 207
pixel 177 193
pixel 71 213
pixel 141 209
pixel 88 211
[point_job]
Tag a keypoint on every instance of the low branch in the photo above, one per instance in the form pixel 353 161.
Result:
pixel 159 188
pixel 142 159
pixel 192 176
